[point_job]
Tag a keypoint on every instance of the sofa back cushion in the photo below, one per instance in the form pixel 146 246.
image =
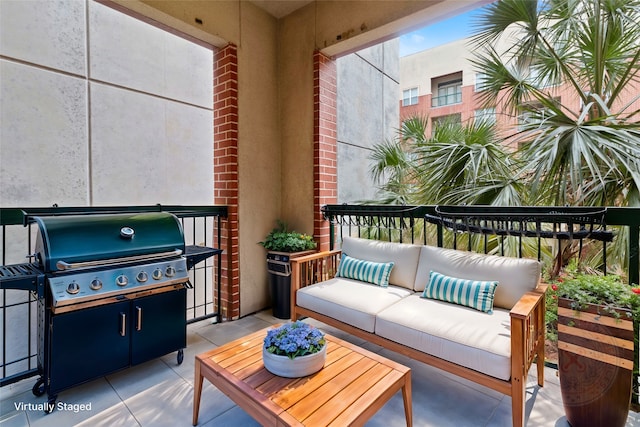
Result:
pixel 515 276
pixel 404 257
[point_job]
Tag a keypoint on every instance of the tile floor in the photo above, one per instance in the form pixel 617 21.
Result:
pixel 159 393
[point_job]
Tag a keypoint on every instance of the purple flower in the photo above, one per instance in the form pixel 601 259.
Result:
pixel 294 339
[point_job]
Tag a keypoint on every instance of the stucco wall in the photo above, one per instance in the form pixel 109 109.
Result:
pixel 259 152
pixel 367 115
pixel 117 118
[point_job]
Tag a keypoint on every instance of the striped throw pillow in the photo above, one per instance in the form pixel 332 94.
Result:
pixel 470 293
pixel 366 271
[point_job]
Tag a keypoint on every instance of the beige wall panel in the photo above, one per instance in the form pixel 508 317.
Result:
pixel 44 32
pixel 189 150
pixel 296 41
pixel 146 58
pixel 147 150
pixel 43 132
pixel 259 152
pixel 128 147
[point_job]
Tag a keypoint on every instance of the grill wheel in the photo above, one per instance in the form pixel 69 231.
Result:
pixel 38 388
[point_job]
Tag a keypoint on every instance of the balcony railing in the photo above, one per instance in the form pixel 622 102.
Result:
pixel 202 226
pixel 441 101
pixel 540 232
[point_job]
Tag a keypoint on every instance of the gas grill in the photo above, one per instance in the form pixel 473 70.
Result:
pixel 111 292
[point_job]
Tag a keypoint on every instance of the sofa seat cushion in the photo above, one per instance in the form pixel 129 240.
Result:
pixel 350 301
pixel 461 335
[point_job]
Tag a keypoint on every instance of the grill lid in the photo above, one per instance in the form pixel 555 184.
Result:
pixel 78 239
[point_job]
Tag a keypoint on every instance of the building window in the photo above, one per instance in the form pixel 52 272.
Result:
pixel 410 96
pixel 481 82
pixel 536 79
pixel 448 93
pixel 533 115
pixel 487 115
pixel 442 120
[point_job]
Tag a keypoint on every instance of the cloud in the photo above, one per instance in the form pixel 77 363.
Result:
pixel 417 38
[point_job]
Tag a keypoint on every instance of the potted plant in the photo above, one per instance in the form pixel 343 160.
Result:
pixel 294 350
pixel 283 245
pixel 597 326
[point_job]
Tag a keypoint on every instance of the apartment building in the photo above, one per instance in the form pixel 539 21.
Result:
pixel 441 83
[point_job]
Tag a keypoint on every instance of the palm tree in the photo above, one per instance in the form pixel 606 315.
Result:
pixel 579 156
pixel 584 155
pixel 458 164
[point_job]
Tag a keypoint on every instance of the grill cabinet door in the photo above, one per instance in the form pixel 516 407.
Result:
pixel 88 344
pixel 158 325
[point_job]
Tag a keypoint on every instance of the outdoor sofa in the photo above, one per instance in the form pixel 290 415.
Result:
pixel 490 345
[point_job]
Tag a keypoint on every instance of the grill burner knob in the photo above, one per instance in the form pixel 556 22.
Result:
pixel 170 271
pixel 95 284
pixel 157 274
pixel 142 277
pixel 122 280
pixel 73 288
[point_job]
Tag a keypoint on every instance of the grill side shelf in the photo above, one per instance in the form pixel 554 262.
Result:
pixel 20 276
pixel 194 254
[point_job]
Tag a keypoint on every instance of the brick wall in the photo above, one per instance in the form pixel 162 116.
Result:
pixel 225 170
pixel 325 158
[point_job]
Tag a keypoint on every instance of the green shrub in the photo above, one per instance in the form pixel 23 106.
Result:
pixel 282 240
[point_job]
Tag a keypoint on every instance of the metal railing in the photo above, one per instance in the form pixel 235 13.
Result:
pixel 202 227
pixel 517 231
pixel 441 101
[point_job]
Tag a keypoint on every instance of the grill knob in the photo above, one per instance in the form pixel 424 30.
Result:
pixel 142 277
pixel 157 274
pixel 122 280
pixel 95 284
pixel 170 271
pixel 73 288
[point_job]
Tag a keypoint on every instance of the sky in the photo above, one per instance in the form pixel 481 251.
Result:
pixel 437 34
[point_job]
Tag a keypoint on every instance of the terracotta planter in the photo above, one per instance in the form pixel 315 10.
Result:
pixel 595 363
pixel 298 367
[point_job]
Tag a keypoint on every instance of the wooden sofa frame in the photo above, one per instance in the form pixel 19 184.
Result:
pixel 527 332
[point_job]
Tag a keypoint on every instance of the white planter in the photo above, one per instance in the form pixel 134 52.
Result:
pixel 301 366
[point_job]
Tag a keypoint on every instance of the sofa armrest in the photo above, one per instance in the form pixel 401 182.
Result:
pixel 528 302
pixel 528 330
pixel 310 269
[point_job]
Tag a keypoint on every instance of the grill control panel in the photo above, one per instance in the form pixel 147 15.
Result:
pixel 88 285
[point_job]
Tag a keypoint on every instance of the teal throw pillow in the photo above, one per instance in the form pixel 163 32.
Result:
pixel 476 294
pixel 366 271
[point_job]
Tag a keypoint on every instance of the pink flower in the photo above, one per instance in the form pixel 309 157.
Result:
pixel 554 287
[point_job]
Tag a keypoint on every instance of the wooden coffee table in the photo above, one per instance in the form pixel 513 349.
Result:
pixel 353 385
